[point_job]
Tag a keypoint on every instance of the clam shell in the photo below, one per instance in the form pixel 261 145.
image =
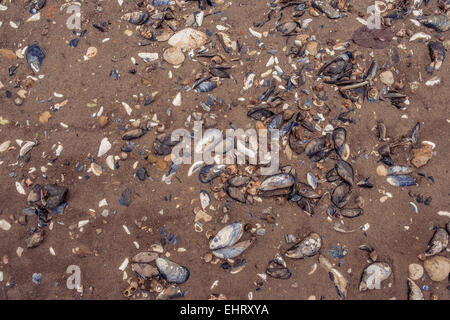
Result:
pixel 232 251
pixel 172 272
pixel 227 236
pixel 308 247
pixel 188 39
pixel 174 55
pixel 373 275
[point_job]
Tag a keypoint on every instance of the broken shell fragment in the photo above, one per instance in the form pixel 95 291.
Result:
pixel 373 275
pixel 414 292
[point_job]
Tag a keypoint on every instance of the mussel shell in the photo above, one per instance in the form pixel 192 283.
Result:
pixel 341 195
pixel 136 18
pixel 306 205
pixel 339 138
pixel 308 247
pixel 440 22
pixel 315 146
pixel 345 171
pixel 236 194
pixel 35 56
pixel 278 181
pixel 415 133
pixel 278 271
pixel 133 134
pixel 144 270
pixel 160 3
pixel 238 181
pixel 306 191
pixel 219 72
pixel 331 175
pixel 233 251
pixel 373 275
pixel 210 172
pixel 298 146
pixel 323 204
pixel 438 242
pixel 287 27
pixel 205 86
pixel 172 272
pixel 260 114
pixel 401 181
pixel 227 236
pixel 275 123
pixel 170 292
pixel 351 213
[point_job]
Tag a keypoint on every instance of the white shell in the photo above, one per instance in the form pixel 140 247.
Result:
pixel 188 39
pixel 26 147
pixel 148 57
pixel 19 188
pixel 110 162
pixel 177 100
pixel 105 146
pixel 5 225
pixel 4 146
